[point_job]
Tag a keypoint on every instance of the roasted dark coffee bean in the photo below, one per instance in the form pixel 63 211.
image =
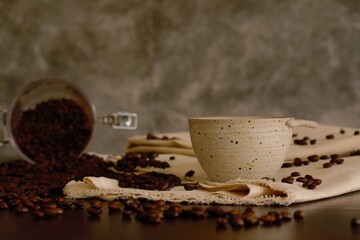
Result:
pixel 324 157
pixel 194 212
pixel 313 141
pixel 317 181
pixel 126 213
pixel 172 158
pixel 3 206
pixel 342 131
pixel 190 173
pixel 152 216
pixel 94 211
pixel 288 180
pixel 330 136
pixel 77 204
pixel 301 179
pixel 236 221
pixel 356 132
pixel 299 215
pixel 297 162
pixel 251 220
pixel 21 209
pixel 287 165
pixel 172 213
pixel 307 183
pixel 355 222
pixel 285 216
pixel 327 165
pixel 268 219
pixel 333 160
pixel 38 213
pixel 216 211
pixel 221 222
pixel 313 158
pixel 300 142
pixel 339 161
pixel 295 174
pixel 52 212
pixel 306 162
pixel 114 206
pixel 332 156
pixel 96 203
pixel 312 186
pixel 308 176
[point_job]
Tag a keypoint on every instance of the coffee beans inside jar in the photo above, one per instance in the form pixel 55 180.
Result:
pixel 57 129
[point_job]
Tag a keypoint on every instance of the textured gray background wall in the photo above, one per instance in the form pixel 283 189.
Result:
pixel 171 59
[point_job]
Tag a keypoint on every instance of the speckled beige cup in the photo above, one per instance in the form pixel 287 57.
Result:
pixel 248 147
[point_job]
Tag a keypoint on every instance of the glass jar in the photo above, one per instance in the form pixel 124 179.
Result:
pixel 12 120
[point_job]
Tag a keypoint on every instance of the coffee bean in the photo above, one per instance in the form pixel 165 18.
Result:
pixel 287 165
pixel 342 131
pixel 172 158
pixel 317 181
pixel 216 211
pixel 313 158
pixel 299 215
pixel 172 213
pixel 21 209
pixel 301 179
pixel 300 142
pixel 96 203
pixel 38 214
pixel 324 157
pixel 52 212
pixel 306 162
pixel 339 161
pixel 313 141
pixel 330 136
pixel 221 222
pixel 93 211
pixel 327 165
pixel 297 162
pixel 308 176
pixel 190 173
pixel 356 132
pixel 114 206
pixel 288 180
pixel 355 222
pixel 236 221
pixel 268 219
pixel 307 183
pixel 295 174
pixel 3 206
pixel 285 216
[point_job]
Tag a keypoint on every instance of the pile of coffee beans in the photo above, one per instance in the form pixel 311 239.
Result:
pixel 157 211
pixel 333 159
pixel 308 181
pixel 57 129
pixel 130 161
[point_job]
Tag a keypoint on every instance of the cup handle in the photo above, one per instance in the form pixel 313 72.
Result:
pixel 301 123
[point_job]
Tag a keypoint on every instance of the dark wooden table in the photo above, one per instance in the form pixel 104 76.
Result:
pixel 325 219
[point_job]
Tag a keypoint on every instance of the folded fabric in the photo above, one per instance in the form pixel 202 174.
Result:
pixel 336 180
pixel 344 142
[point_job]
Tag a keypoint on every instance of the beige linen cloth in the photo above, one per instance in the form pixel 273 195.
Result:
pixel 337 180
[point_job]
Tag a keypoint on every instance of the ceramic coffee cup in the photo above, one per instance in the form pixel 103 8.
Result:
pixel 248 147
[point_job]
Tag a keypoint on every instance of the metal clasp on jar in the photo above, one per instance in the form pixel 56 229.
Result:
pixel 121 120
pixel 3 136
